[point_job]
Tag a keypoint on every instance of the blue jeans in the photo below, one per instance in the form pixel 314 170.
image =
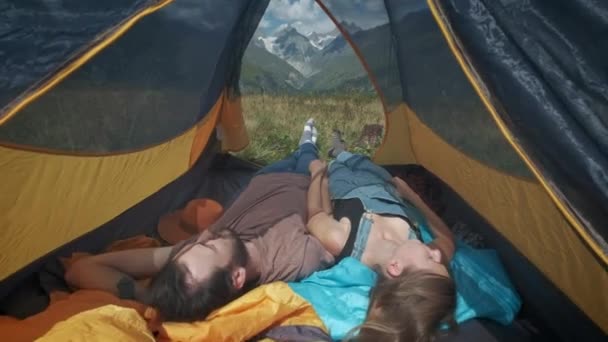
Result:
pixel 297 162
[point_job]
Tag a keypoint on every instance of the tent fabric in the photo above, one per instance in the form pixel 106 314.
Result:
pixel 150 85
pixel 437 90
pixel 522 212
pixel 44 209
pixel 64 190
pixel 28 39
pixel 549 89
pixel 487 331
pixel 232 128
pixel 396 148
pixel 217 176
pixel 139 219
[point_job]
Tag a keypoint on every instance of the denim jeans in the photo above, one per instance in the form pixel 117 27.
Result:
pixel 297 162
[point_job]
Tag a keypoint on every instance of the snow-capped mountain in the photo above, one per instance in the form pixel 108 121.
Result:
pixel 293 47
pixel 320 40
pixel 306 53
pixel 286 60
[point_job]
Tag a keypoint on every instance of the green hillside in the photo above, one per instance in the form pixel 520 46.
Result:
pixel 263 72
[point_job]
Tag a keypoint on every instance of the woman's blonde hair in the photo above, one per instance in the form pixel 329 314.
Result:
pixel 411 307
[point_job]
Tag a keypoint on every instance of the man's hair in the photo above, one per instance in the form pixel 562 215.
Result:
pixel 176 300
pixel 410 307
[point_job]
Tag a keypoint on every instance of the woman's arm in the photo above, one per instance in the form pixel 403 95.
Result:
pixel 331 233
pixel 444 239
pixel 117 272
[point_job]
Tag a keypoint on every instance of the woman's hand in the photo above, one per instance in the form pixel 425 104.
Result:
pixel 404 189
pixel 444 240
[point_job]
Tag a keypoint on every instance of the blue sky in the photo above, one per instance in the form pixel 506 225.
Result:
pixel 307 16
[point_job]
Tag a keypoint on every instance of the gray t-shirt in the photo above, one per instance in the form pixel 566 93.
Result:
pixel 271 214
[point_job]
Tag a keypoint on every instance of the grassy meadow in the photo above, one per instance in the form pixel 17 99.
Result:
pixel 275 123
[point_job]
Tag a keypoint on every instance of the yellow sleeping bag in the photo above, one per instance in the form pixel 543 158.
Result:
pixel 107 323
pixel 267 307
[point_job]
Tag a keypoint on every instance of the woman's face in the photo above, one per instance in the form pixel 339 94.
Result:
pixel 413 254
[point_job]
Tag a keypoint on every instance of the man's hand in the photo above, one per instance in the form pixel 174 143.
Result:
pixel 118 272
pixel 316 166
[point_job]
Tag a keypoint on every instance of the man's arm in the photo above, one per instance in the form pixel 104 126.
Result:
pixel 117 272
pixel 315 199
pixel 444 239
pixel 325 199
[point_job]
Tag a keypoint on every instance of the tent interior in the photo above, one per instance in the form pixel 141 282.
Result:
pixel 138 111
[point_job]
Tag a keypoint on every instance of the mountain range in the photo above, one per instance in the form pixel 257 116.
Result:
pixel 289 61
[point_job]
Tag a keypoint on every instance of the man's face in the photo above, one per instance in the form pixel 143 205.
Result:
pixel 200 259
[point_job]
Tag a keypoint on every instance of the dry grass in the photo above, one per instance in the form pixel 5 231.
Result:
pixel 275 123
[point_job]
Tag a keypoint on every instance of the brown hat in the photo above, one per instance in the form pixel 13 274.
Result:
pixel 181 224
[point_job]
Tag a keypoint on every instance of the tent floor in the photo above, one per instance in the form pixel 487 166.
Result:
pixel 224 178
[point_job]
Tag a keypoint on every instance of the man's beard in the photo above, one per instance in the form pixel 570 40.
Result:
pixel 240 256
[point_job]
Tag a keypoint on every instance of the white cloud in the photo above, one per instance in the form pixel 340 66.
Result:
pixel 305 15
pixel 305 10
pixel 374 6
pixel 363 13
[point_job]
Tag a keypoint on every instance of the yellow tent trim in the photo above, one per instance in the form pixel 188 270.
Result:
pixel 396 147
pixel 468 70
pixel 77 63
pixel 234 132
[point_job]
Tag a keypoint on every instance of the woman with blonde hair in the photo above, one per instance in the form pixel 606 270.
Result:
pixel 410 307
pixel 356 209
